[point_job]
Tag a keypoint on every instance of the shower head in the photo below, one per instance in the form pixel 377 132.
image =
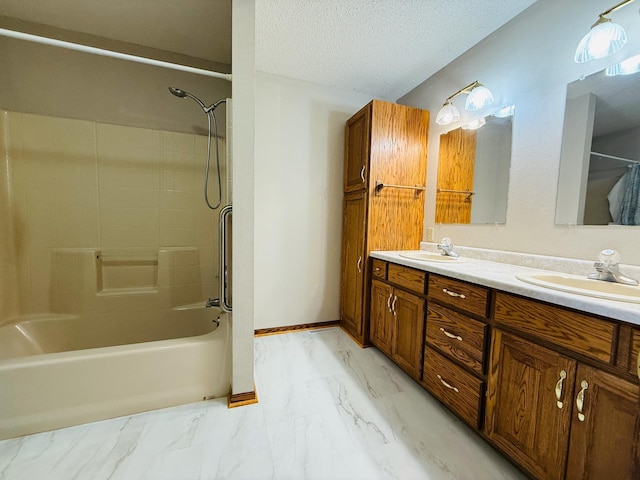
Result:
pixel 183 94
pixel 177 92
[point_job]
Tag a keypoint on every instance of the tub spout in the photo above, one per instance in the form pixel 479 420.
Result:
pixel 212 302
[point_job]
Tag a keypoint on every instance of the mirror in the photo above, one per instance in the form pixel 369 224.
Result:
pixel 473 171
pixel 600 142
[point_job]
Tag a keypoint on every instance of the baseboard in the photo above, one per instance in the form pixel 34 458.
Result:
pixel 261 332
pixel 242 399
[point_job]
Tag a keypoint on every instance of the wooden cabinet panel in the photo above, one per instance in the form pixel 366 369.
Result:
pixel 380 317
pixel 522 415
pixel 408 311
pixel 459 390
pixel 352 281
pixel 457 336
pixel 578 332
pixel 356 145
pixel 409 278
pixel 470 298
pixel 379 269
pixel 603 440
pixel 635 351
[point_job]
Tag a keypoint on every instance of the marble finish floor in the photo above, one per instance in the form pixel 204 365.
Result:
pixel 328 410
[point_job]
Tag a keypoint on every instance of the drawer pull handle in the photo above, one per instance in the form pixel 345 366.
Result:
pixel 360 264
pixel 451 335
pixel 580 400
pixel 559 385
pixel 453 294
pixel 447 385
pixel 393 305
pixel 389 302
pixel 362 173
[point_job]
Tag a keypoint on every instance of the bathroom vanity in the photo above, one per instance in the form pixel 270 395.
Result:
pixel 548 378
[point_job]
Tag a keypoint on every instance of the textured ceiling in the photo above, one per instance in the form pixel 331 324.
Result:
pixel 383 48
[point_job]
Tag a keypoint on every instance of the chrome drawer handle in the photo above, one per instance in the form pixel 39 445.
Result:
pixel 580 400
pixel 559 385
pixel 360 265
pixel 451 335
pixel 393 305
pixel 447 385
pixel 362 173
pixel 453 294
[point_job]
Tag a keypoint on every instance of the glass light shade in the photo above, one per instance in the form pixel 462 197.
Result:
pixel 627 67
pixel 603 39
pixel 478 98
pixel 447 114
pixel 474 124
pixel 505 112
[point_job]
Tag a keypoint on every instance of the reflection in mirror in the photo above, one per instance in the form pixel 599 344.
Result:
pixel 599 175
pixel 473 171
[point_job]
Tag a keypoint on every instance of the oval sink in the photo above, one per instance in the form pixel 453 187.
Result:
pixel 432 257
pixel 583 286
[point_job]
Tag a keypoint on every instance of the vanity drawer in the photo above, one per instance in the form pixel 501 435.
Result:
pixel 456 388
pixel 457 336
pixel 467 297
pixel 583 334
pixel 407 277
pixel 379 269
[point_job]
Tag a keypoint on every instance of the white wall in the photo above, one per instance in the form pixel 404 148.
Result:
pixel 299 154
pixel 242 138
pixel 529 63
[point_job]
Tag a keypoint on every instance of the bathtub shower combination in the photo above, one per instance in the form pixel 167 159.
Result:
pixel 94 333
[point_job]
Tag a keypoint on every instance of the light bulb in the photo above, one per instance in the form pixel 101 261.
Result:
pixel 447 114
pixel 626 67
pixel 478 98
pixel 605 38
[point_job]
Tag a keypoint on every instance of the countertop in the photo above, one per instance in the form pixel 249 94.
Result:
pixel 502 276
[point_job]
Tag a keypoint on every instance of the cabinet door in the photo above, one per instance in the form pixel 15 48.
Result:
pixel 353 261
pixel 381 318
pixel 604 427
pixel 356 150
pixel 408 312
pixel 523 416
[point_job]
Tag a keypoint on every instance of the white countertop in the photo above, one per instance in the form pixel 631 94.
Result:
pixel 502 276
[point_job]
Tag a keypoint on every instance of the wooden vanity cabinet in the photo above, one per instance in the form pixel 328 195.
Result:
pixel 387 143
pixel 560 415
pixel 396 321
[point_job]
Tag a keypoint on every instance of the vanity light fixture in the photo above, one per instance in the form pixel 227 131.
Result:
pixel 478 97
pixel 474 124
pixel 605 37
pixel 626 67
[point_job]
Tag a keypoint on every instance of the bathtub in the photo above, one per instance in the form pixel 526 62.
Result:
pixel 63 370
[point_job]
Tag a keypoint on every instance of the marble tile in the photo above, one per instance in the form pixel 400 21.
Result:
pixel 328 410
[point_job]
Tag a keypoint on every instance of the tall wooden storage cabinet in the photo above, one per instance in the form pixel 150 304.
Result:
pixel 386 144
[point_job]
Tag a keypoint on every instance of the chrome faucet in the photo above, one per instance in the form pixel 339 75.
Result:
pixel 607 269
pixel 446 248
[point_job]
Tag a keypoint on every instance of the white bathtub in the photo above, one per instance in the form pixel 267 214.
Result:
pixel 62 370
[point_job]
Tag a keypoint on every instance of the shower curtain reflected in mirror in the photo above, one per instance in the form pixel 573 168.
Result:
pixel 630 208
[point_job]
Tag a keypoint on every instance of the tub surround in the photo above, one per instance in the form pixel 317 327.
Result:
pixel 497 269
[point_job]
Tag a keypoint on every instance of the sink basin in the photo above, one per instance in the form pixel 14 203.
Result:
pixel 432 257
pixel 583 286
